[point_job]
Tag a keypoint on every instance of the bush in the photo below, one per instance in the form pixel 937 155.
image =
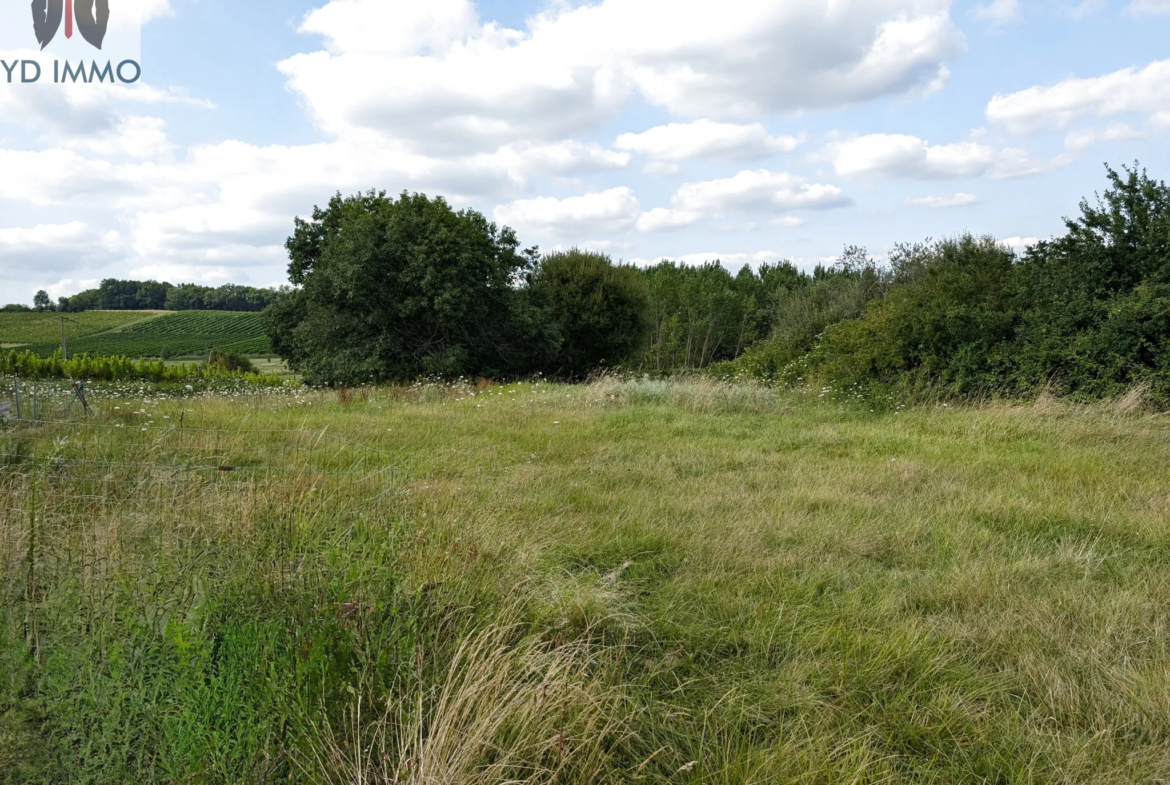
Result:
pixel 28 365
pixel 1093 302
pixel 232 362
pixel 597 310
pixel 943 321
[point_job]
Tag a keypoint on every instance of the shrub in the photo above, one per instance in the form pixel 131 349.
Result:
pixel 1093 302
pixel 233 362
pixel 943 321
pixel 28 365
pixel 598 310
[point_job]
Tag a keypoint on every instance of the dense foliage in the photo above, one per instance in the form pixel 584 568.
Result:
pixel 598 310
pixel 28 365
pixel 798 308
pixel 1094 305
pixel 397 289
pixel 117 295
pixel 393 289
pixel 1086 314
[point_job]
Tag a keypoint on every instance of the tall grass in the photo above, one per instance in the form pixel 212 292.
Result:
pixel 627 581
pixel 507 710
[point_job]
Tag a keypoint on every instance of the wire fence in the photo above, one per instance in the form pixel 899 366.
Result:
pixel 71 489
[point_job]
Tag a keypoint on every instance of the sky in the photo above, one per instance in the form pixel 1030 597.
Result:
pixel 743 131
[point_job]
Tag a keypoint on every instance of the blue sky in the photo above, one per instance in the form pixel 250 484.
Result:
pixel 741 130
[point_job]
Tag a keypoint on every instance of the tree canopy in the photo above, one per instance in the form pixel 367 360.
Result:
pixel 598 310
pixel 394 289
pixel 397 288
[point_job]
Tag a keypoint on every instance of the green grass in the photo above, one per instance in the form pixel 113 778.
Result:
pixel 178 334
pixel 45 328
pixel 623 582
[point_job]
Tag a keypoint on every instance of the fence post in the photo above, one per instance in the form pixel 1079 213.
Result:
pixel 16 392
pixel 34 397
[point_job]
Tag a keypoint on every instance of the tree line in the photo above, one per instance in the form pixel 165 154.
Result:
pixel 392 289
pixel 1085 314
pixel 118 295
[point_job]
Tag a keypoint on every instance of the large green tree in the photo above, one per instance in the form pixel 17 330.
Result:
pixel 598 310
pixel 393 289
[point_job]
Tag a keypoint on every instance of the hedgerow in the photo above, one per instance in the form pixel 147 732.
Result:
pixel 29 365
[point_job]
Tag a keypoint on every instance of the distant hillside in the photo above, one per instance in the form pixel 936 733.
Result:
pixel 32 327
pixel 136 333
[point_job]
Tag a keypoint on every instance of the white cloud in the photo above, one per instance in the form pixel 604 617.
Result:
pixel 788 221
pixel 78 112
pixel 660 167
pixel 706 140
pixel 1087 137
pixel 609 212
pixel 664 219
pixel 1019 244
pixel 230 205
pixel 32 257
pixel 1084 9
pixel 138 12
pixel 447 82
pixel 1149 7
pixel 617 210
pixel 187 273
pixel 57 245
pixel 757 191
pixel 561 159
pixel 390 27
pixel 67 287
pixel 900 155
pixel 997 12
pixel 133 136
pixel 945 200
pixel 1128 91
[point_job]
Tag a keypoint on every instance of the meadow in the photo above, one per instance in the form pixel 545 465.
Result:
pixel 137 333
pixel 626 581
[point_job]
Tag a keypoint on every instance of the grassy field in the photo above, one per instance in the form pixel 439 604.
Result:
pixel 137 333
pixel 623 582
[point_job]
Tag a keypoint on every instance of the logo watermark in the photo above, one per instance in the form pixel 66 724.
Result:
pixel 61 38
pixel 93 19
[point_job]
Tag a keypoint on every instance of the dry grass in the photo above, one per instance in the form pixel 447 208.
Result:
pixel 511 709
